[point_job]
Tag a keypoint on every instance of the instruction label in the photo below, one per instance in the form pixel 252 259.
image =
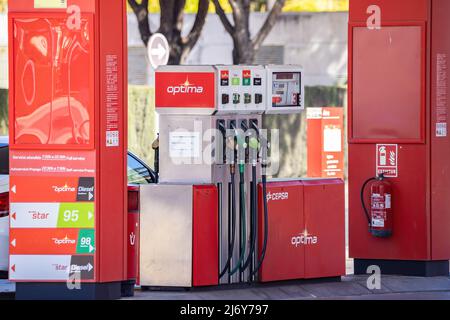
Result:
pixel 184 144
pixel 387 160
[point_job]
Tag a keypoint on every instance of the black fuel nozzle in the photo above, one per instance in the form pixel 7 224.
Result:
pixel 222 141
pixel 381 177
pixel 265 149
pixel 242 143
pixel 155 147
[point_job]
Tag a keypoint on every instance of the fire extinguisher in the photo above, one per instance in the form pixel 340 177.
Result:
pixel 380 218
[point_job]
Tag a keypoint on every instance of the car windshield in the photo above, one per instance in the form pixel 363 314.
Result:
pixel 138 173
pixel 4 160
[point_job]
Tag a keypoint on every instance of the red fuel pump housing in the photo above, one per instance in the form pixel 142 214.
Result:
pixel 398 126
pixel 68 147
pixel 306 237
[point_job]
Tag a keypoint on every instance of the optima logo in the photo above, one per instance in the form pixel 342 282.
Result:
pixel 65 188
pixel 304 239
pixel 65 241
pixel 185 88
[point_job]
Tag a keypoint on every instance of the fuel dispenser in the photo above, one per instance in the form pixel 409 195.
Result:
pixel 399 149
pixel 214 218
pixel 68 111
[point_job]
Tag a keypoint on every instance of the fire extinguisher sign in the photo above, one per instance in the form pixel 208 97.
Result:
pixel 387 160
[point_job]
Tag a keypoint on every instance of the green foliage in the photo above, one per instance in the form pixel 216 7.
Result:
pixel 141 122
pixel 3 112
pixel 3 5
pixel 260 5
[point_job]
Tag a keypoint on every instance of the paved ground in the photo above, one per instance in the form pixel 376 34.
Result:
pixel 351 287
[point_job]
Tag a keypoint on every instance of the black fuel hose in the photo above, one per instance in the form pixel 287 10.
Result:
pixel 233 225
pixel 243 218
pixel 266 226
pixel 253 223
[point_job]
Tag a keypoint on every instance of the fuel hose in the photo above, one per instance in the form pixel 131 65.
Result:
pixel 242 214
pixel 253 224
pixel 231 210
pixel 266 226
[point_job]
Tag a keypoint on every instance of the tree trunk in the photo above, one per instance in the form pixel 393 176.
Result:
pixel 243 51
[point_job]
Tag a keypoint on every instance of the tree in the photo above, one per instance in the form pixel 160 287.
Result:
pixel 171 23
pixel 245 47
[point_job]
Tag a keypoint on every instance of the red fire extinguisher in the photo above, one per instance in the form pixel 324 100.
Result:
pixel 380 217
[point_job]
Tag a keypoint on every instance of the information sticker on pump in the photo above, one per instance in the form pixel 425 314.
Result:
pixel 387 160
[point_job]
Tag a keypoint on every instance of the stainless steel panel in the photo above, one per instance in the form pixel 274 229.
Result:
pixel 176 167
pixel 166 235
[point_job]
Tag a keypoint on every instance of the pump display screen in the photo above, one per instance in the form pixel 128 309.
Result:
pixel 286 89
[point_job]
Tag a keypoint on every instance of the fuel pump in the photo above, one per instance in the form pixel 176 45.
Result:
pixel 380 217
pixel 227 230
pixel 231 139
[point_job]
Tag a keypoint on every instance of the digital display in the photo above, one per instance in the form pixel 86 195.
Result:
pixel 286 89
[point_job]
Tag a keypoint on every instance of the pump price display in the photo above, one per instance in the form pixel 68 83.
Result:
pixel 286 89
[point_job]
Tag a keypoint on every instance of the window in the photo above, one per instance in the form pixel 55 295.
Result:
pixel 4 160
pixel 138 173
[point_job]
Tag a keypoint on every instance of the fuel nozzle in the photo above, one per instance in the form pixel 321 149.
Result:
pixel 265 148
pixel 242 144
pixel 253 142
pixel 231 145
pixel 155 147
pixel 221 127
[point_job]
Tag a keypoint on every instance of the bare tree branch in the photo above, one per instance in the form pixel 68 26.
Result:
pixel 268 24
pixel 223 17
pixel 141 12
pixel 200 19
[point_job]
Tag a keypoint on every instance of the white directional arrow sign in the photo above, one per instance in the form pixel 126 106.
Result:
pixel 13 243
pixel 90 196
pixel 158 50
pixel 90 215
pixel 14 189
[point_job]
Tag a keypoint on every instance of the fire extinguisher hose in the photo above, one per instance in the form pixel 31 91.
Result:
pixel 363 203
pixel 233 225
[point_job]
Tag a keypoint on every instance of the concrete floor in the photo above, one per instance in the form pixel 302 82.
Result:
pixel 350 288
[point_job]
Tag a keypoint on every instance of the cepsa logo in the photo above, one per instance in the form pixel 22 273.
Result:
pixel 304 239
pixel 185 88
pixel 61 189
pixel 277 196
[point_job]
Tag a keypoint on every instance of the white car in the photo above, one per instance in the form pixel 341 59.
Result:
pixel 4 204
